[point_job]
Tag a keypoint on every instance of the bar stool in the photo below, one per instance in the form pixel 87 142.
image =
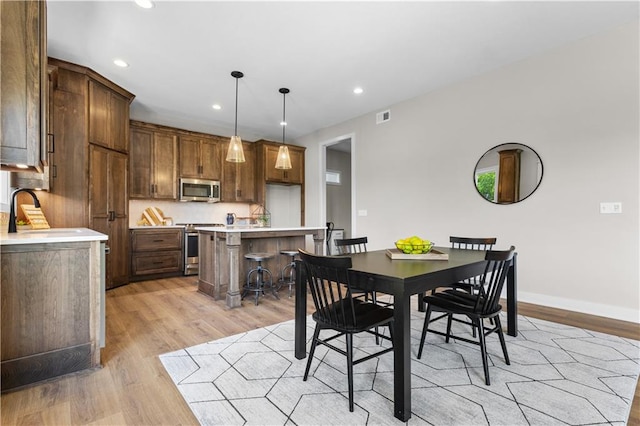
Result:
pixel 259 277
pixel 288 273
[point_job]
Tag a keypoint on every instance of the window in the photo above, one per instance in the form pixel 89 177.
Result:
pixel 486 183
pixel 333 177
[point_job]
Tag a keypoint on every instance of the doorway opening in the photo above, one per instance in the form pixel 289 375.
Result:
pixel 338 184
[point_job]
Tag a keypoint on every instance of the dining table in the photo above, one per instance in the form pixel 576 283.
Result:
pixel 402 279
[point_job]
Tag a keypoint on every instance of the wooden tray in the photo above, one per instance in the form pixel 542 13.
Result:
pixel 434 254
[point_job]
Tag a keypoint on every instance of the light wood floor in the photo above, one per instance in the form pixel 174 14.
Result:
pixel 150 318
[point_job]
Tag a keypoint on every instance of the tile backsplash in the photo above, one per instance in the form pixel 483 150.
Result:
pixel 189 212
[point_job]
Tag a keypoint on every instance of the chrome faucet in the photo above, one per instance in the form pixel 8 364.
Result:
pixel 12 211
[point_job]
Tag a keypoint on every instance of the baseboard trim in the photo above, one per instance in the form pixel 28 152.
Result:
pixel 598 309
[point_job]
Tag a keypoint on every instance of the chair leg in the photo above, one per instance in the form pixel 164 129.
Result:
pixel 502 342
pixel 375 301
pixel 314 343
pixel 478 322
pixel 349 339
pixel 424 330
pixel 449 321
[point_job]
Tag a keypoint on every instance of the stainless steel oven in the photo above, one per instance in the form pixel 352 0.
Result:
pixel 191 258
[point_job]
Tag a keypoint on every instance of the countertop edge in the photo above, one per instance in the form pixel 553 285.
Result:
pixel 258 229
pixel 51 236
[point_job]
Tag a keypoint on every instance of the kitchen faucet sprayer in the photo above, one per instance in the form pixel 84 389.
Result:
pixel 12 212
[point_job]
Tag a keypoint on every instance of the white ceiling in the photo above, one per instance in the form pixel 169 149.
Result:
pixel 181 53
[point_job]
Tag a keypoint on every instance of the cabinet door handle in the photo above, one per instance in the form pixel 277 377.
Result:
pixel 238 193
pixel 54 171
pixel 52 143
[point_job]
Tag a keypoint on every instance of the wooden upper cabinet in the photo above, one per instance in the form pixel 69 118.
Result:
pixel 239 179
pixel 109 114
pixel 267 154
pixel 211 159
pixel 153 160
pixel 509 176
pixel 294 175
pixel 165 165
pixel 23 84
pixel 200 158
pixel 140 159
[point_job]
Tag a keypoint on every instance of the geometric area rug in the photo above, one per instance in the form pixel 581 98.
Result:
pixel 559 375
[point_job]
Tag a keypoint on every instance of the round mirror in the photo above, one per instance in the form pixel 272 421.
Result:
pixel 508 173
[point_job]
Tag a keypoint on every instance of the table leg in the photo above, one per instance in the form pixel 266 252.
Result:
pixel 300 344
pixel 421 304
pixel 402 356
pixel 512 298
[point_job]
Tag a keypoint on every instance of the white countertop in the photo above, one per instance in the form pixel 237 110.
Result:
pixel 249 228
pixel 155 227
pixel 54 235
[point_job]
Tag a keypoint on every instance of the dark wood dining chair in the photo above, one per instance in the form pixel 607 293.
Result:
pixel 352 245
pixel 470 284
pixel 347 246
pixel 336 309
pixel 471 243
pixel 476 306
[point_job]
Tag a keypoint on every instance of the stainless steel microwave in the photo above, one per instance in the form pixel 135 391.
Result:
pixel 199 190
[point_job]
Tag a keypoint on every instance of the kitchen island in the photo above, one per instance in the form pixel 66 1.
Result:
pixel 52 295
pixel 223 268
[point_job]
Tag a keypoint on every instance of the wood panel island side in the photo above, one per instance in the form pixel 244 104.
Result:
pixel 223 268
pixel 52 293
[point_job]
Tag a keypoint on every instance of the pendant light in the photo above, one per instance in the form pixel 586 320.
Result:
pixel 235 154
pixel 284 160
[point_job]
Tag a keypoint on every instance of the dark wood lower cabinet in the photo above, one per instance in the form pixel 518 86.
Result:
pixel 156 252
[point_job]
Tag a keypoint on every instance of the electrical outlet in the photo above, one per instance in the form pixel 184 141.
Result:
pixel 611 208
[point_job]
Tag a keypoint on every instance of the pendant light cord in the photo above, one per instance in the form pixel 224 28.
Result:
pixel 284 119
pixel 235 129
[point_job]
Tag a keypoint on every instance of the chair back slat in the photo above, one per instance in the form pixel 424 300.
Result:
pixel 352 245
pixel 492 280
pixel 328 282
pixel 472 243
pixel 469 243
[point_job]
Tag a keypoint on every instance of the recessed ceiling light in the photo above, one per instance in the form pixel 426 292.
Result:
pixel 145 4
pixel 358 90
pixel 120 63
pixel 216 107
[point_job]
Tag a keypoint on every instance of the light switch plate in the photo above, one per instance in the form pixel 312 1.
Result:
pixel 362 212
pixel 610 207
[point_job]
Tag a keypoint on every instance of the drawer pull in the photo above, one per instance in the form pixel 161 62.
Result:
pixel 158 241
pixel 158 263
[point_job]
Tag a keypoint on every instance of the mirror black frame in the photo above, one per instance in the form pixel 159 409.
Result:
pixel 511 160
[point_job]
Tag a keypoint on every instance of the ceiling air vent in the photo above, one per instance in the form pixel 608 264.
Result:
pixel 383 116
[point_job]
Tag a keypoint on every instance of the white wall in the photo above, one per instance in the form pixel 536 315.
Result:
pixel 578 107
pixel 283 203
